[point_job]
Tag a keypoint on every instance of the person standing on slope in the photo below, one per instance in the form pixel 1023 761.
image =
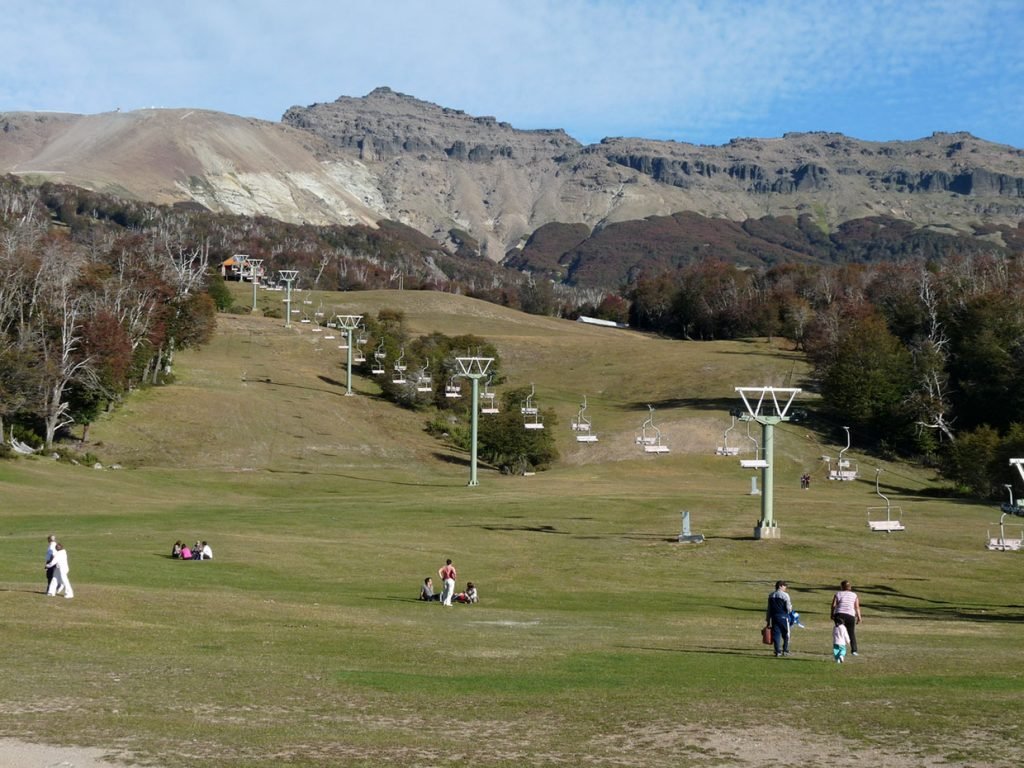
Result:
pixel 448 574
pixel 60 577
pixel 846 607
pixel 777 617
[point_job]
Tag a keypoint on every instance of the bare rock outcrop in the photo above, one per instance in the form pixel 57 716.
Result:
pixel 388 155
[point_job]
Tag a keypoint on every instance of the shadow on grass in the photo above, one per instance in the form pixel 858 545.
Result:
pixel 267 380
pixel 697 403
pixel 881 600
pixel 360 478
pixel 461 461
pixel 765 652
pixel 520 528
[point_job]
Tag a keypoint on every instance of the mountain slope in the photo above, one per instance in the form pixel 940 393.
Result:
pixel 226 163
pixel 443 172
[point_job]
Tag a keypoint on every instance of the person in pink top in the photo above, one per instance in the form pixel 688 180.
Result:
pixel 840 639
pixel 448 575
pixel 846 608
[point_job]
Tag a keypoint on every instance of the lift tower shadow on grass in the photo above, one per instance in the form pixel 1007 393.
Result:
pixel 767 406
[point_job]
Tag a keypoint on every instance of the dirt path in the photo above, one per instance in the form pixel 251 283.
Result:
pixel 20 754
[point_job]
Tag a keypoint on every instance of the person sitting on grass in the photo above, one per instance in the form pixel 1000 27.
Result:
pixel 427 590
pixel 176 550
pixel 469 596
pixel 206 552
pixel 186 552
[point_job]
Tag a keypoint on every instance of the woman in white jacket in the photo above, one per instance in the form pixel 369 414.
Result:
pixel 60 574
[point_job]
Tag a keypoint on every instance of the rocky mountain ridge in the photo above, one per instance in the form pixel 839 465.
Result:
pixel 461 178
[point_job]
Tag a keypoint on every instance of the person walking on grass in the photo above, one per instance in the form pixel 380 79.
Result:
pixel 776 616
pixel 840 639
pixel 59 582
pixel 51 545
pixel 846 607
pixel 448 575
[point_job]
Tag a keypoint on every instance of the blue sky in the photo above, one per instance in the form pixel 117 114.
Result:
pixel 691 70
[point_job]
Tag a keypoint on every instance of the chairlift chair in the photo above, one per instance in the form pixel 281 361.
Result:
pixel 845 469
pixel 650 436
pixel 893 515
pixel 1014 508
pixel 398 377
pixel 487 401
pixel 358 356
pixel 757 462
pixel 725 449
pixel 582 425
pixel 1004 543
pixel 400 362
pixel 423 382
pixel 528 408
pixel 533 421
pixel 378 360
pixel 452 389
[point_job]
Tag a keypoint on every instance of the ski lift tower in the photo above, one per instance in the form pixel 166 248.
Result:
pixel 474 369
pixel 288 276
pixel 348 323
pixel 767 406
pixel 254 277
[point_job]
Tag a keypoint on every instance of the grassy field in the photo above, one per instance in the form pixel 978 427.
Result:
pixel 599 639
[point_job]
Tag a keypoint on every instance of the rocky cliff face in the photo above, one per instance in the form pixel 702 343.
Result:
pixel 465 179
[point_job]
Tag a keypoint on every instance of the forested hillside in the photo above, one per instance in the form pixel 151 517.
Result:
pixel 917 336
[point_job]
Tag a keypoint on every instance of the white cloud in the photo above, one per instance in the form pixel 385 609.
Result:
pixel 687 69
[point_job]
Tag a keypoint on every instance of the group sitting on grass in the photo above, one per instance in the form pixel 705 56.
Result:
pixel 469 596
pixel 198 551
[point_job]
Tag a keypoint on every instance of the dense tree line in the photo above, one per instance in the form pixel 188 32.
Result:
pixel 430 382
pixel 918 346
pixel 922 358
pixel 86 315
